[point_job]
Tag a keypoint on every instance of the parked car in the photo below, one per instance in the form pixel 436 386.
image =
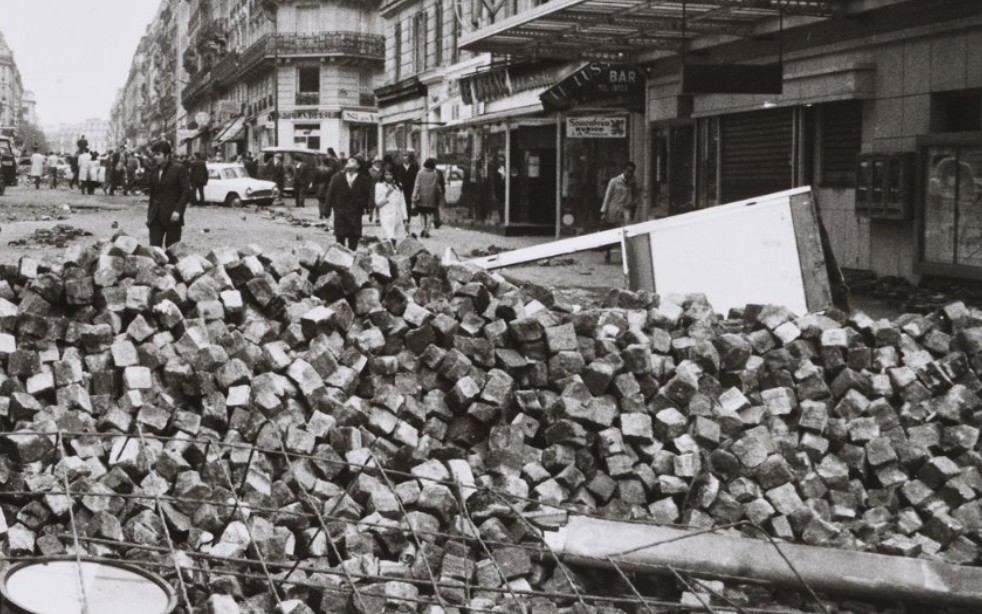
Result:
pixel 8 164
pixel 230 184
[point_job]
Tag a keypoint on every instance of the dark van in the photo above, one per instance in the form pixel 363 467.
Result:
pixel 290 156
pixel 8 164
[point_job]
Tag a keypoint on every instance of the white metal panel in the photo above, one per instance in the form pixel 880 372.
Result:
pixel 736 254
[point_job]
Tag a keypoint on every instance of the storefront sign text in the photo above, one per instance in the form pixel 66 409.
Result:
pixel 309 114
pixel 598 81
pixel 596 127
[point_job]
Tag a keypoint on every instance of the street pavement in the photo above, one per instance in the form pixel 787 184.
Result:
pixel 581 278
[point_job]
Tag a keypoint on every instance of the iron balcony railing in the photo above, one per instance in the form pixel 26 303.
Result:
pixel 308 98
pixel 351 44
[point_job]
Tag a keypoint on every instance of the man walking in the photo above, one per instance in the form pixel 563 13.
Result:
pixel 199 178
pixel 408 171
pixel 52 164
pixel 621 200
pixel 37 168
pixel 170 191
pixel 301 181
pixel 349 197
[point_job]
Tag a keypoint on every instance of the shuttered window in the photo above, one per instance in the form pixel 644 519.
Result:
pixel 756 151
pixel 841 140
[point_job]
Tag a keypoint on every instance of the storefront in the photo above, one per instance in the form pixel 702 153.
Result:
pixel 362 132
pixel 402 110
pixel 537 154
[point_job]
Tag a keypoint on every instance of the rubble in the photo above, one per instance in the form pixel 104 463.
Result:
pixel 379 429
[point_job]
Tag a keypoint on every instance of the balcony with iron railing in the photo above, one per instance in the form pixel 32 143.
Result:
pixel 356 45
pixel 197 86
pixel 226 69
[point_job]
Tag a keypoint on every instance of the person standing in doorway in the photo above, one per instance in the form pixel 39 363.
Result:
pixel 170 190
pixel 199 178
pixel 37 168
pixel 621 200
pixel 349 197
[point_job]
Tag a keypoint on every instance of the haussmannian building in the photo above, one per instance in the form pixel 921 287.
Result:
pixel 282 72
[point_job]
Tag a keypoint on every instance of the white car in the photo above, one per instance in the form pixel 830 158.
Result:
pixel 230 184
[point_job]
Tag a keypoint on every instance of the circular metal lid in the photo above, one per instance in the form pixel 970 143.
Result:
pixel 52 587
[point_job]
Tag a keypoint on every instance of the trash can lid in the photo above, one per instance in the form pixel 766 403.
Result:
pixel 52 587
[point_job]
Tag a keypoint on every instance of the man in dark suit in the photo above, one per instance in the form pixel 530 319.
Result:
pixel 301 181
pixel 349 196
pixel 170 190
pixel 406 174
pixel 199 178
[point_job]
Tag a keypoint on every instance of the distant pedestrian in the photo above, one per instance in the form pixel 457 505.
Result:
pixel 199 178
pixel 349 196
pixel 170 190
pixel 82 143
pixel 84 160
pixel 406 174
pixel 302 178
pixel 73 165
pixel 277 174
pixel 37 168
pixel 52 164
pixel 132 165
pixel 251 164
pixel 391 206
pixel 620 200
pixel 322 181
pixel 427 195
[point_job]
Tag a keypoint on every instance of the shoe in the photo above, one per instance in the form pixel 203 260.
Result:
pixel 424 235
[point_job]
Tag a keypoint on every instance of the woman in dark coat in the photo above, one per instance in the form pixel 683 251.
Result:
pixel 349 197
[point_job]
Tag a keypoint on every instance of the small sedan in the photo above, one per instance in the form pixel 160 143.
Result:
pixel 230 184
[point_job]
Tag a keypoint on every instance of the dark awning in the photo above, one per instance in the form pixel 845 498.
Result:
pixel 612 84
pixel 624 30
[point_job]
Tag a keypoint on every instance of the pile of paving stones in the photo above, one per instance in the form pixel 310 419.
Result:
pixel 232 414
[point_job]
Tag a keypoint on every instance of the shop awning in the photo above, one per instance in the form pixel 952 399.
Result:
pixel 195 134
pixel 233 131
pixel 624 30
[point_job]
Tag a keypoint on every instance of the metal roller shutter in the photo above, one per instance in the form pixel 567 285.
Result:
pixel 756 153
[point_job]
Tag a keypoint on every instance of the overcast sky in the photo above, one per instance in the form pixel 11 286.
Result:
pixel 74 54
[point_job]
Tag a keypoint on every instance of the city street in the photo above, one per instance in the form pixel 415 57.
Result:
pixel 27 216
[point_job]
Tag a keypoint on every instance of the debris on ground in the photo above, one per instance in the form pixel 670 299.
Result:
pixel 479 252
pixel 59 235
pixel 374 430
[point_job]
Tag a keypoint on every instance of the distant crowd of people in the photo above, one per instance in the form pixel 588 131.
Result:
pixel 390 192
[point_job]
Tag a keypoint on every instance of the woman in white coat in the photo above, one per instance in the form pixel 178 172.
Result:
pixel 391 205
pixel 84 162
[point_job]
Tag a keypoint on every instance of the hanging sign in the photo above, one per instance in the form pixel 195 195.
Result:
pixel 359 117
pixel 596 127
pixel 611 84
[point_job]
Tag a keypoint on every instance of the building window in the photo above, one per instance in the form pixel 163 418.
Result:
pixel 438 34
pixel 420 50
pixel 840 139
pixel 308 85
pixel 956 111
pixel 952 223
pixel 307 19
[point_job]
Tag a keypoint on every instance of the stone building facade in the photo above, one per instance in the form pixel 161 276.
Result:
pixel 11 88
pixel 146 108
pixel 282 73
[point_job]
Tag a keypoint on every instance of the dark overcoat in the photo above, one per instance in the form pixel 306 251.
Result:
pixel 349 203
pixel 170 191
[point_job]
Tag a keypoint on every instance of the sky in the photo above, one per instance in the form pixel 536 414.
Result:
pixel 74 54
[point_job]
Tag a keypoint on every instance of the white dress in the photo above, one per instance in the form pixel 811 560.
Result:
pixel 391 206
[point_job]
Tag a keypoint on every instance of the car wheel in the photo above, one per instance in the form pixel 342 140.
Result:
pixel 233 200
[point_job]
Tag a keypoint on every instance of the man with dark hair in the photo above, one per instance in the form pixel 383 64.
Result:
pixel 170 190
pixel 406 175
pixel 349 196
pixel 199 178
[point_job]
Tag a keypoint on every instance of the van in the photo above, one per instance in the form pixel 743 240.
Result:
pixel 8 164
pixel 290 155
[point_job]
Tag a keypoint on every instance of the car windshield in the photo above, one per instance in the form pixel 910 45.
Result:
pixel 234 172
pixel 5 147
